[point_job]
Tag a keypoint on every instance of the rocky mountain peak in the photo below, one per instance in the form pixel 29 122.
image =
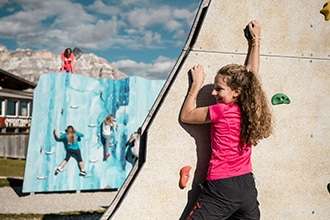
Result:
pixel 30 64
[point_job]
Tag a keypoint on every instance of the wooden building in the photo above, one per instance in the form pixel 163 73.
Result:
pixel 16 96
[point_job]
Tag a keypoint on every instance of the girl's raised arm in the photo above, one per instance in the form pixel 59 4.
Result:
pixel 253 59
pixel 189 113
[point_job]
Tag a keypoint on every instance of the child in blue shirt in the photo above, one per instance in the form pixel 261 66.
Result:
pixel 71 139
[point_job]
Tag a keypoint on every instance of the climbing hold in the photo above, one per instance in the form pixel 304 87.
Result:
pixel 329 187
pixel 41 177
pixel 49 152
pixel 74 106
pixel 326 11
pixel 184 176
pixel 280 98
pixel 247 33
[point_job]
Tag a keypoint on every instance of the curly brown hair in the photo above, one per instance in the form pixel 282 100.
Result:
pixel 256 122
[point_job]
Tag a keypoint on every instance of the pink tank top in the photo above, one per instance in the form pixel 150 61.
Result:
pixel 227 158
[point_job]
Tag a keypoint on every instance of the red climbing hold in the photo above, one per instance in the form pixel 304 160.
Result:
pixel 184 176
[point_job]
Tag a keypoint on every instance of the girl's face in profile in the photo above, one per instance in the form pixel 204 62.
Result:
pixel 112 121
pixel 222 92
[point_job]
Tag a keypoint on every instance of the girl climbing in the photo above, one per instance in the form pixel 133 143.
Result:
pixel 239 119
pixel 108 127
pixel 71 139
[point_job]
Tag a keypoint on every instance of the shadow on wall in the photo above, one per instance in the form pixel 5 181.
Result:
pixel 201 134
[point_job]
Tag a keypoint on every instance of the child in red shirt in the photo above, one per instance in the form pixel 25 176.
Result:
pixel 67 64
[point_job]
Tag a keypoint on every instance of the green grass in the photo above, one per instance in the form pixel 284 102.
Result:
pixel 12 167
pixel 4 182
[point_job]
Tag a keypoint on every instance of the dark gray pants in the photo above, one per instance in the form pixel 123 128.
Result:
pixel 230 198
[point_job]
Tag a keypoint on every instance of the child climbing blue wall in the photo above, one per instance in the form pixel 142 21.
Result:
pixel 62 99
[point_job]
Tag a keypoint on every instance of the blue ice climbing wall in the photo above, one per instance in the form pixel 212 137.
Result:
pixel 63 99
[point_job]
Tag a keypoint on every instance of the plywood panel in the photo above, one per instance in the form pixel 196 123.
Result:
pixel 292 166
pixel 290 28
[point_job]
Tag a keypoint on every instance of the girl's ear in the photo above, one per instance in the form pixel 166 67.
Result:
pixel 237 92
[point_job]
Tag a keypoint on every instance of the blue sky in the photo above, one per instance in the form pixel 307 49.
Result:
pixel 140 37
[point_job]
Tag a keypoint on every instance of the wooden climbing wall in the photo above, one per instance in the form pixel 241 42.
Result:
pixel 292 167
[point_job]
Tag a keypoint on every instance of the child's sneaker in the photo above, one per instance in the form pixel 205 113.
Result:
pixel 82 173
pixel 57 170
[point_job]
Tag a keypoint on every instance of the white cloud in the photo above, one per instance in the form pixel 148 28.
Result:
pixel 159 69
pixel 3 2
pixel 63 13
pixel 173 25
pixel 19 23
pixel 130 66
pixel 147 38
pixel 68 15
pixel 150 37
pixel 131 31
pixel 130 24
pixel 76 25
pixel 179 34
pixel 144 18
pixel 183 14
pixel 99 32
pixel 99 7
pixel 131 2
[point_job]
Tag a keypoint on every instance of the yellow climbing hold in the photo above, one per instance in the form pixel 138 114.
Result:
pixel 326 11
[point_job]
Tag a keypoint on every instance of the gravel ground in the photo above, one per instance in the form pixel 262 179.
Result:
pixel 13 201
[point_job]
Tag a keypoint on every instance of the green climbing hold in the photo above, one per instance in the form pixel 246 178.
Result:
pixel 329 187
pixel 280 98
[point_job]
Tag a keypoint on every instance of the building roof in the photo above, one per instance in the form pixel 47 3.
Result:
pixel 11 81
pixel 16 94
